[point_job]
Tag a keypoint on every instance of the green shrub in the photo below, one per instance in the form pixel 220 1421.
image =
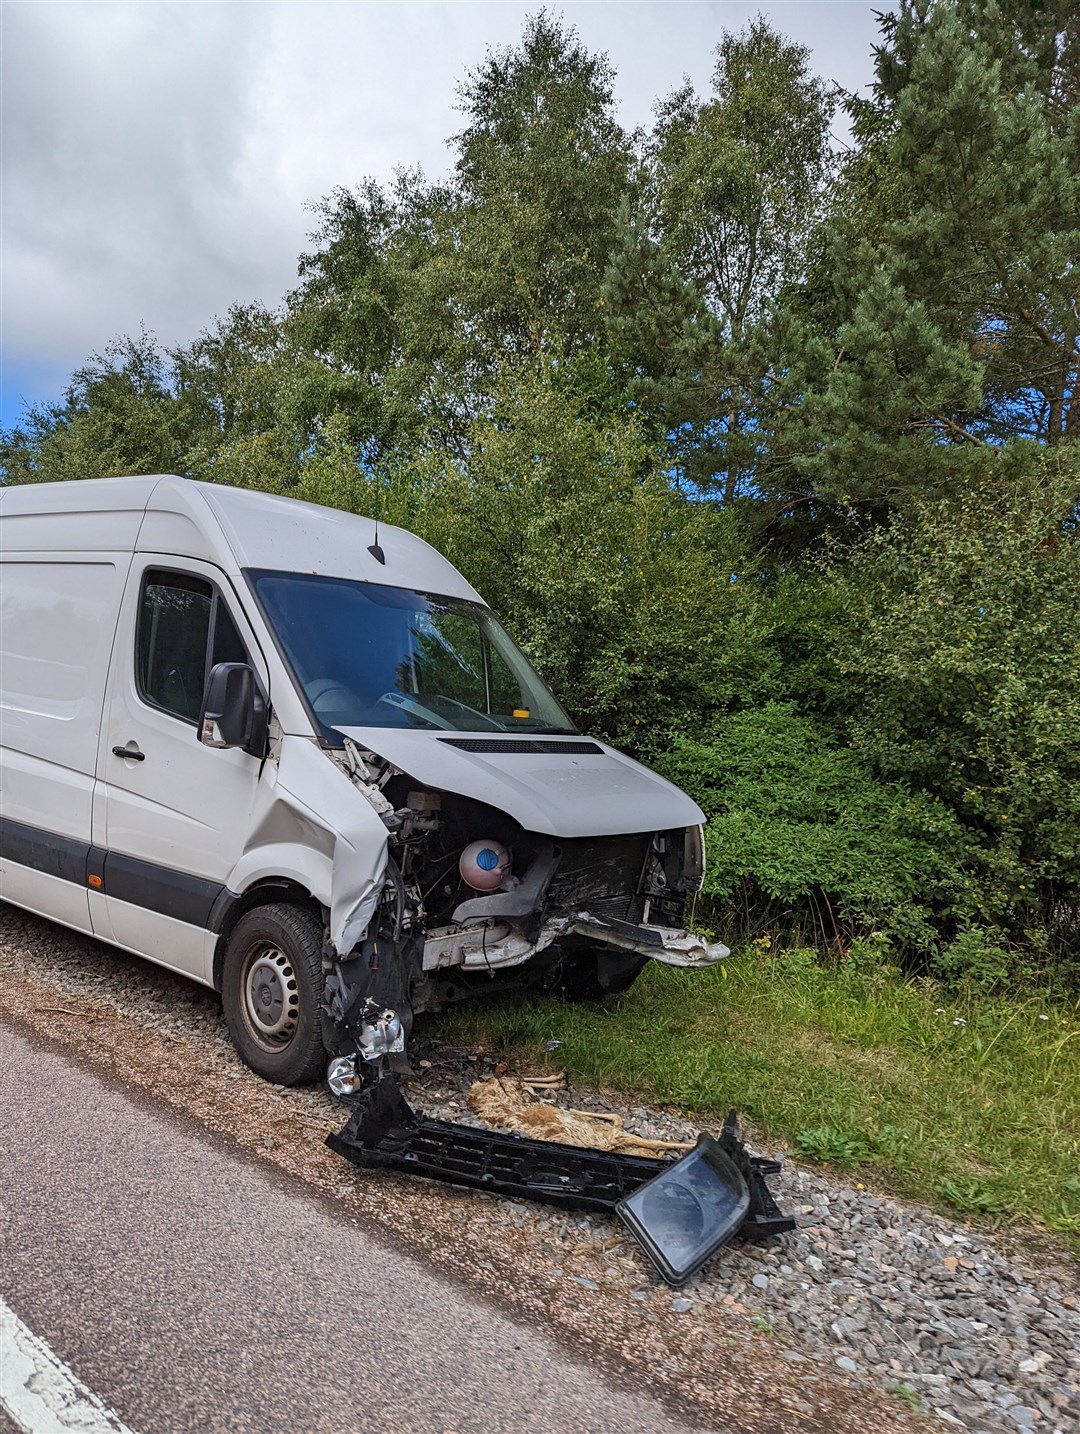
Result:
pixel 795 817
pixel 977 957
pixel 962 655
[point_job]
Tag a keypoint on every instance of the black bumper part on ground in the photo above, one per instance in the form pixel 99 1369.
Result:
pixel 681 1212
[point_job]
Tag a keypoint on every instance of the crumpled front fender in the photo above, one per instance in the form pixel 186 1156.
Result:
pixel 330 839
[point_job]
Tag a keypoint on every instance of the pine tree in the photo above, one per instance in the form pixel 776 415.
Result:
pixel 945 314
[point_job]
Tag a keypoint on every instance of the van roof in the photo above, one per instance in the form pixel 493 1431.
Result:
pixel 234 528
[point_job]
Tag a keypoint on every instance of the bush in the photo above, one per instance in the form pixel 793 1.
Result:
pixel 978 958
pixel 962 656
pixel 798 819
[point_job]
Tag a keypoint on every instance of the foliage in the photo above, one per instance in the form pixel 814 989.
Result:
pixel 731 191
pixel 943 310
pixel 962 660
pixel 905 1394
pixel 117 416
pixel 804 821
pixel 542 166
pixel 833 1147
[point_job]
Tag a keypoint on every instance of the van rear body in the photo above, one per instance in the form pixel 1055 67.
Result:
pixel 298 759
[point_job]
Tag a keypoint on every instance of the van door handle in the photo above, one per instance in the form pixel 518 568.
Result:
pixel 131 753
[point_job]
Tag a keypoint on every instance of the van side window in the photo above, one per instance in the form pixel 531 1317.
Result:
pixel 184 629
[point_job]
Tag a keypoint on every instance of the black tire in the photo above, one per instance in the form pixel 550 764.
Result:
pixel 271 990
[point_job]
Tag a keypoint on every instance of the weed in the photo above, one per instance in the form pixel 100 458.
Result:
pixel 833 1147
pixel 764 1325
pixel 906 1394
pixel 970 1196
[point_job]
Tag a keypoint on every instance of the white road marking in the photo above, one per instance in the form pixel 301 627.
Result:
pixel 40 1393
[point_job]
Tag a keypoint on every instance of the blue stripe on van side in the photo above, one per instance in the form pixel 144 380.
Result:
pixel 125 878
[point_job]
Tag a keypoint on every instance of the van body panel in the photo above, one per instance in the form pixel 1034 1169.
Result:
pixel 57 619
pixel 266 531
pixel 320 794
pixel 52 517
pixel 179 535
pixel 571 794
pixel 42 872
pixel 187 950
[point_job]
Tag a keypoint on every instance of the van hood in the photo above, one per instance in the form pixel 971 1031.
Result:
pixel 558 786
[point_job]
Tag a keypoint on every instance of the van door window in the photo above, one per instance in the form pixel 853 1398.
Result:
pixel 184 629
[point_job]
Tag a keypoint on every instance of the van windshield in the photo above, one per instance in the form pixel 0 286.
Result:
pixel 372 656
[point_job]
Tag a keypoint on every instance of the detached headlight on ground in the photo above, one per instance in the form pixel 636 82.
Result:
pixel 690 1210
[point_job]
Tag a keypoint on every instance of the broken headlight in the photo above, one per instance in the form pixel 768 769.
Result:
pixel 694 858
pixel 683 1215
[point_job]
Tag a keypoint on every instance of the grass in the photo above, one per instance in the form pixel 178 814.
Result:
pixel 971 1104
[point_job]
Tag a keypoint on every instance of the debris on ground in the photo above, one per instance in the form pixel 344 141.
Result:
pixel 680 1212
pixel 930 1313
pixel 508 1104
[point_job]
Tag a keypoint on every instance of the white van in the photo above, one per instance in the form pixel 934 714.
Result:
pixel 296 758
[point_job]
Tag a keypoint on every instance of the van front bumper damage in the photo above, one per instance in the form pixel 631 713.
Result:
pixel 494 945
pixel 680 1212
pixel 616 901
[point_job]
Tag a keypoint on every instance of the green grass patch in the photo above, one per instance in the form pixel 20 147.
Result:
pixel 971 1104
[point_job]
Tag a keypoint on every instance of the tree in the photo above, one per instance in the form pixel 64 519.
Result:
pixel 235 387
pixel 541 167
pixel 944 314
pixel 734 187
pixel 377 320
pixel 416 298
pixel 118 415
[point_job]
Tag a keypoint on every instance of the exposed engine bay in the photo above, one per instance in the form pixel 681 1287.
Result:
pixel 472 901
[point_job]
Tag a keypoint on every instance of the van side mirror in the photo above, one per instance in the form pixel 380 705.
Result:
pixel 234 710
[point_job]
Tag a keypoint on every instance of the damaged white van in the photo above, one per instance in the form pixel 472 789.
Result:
pixel 298 759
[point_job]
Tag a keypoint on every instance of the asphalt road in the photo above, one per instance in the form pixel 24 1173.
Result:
pixel 192 1290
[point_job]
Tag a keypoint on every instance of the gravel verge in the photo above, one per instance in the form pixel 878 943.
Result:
pixel 870 1311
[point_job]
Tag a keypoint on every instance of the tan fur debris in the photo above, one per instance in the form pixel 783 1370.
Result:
pixel 506 1104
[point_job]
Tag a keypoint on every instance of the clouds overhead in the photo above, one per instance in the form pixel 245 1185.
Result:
pixel 160 160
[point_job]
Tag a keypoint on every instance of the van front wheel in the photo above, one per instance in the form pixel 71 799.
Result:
pixel 271 991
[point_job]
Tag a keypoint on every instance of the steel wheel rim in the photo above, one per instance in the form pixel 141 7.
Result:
pixel 269 997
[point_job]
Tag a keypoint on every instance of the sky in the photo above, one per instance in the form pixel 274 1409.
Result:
pixel 161 161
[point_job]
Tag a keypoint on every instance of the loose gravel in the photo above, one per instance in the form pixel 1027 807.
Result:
pixel 872 1311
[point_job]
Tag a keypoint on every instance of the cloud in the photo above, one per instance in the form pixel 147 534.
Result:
pixel 161 160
